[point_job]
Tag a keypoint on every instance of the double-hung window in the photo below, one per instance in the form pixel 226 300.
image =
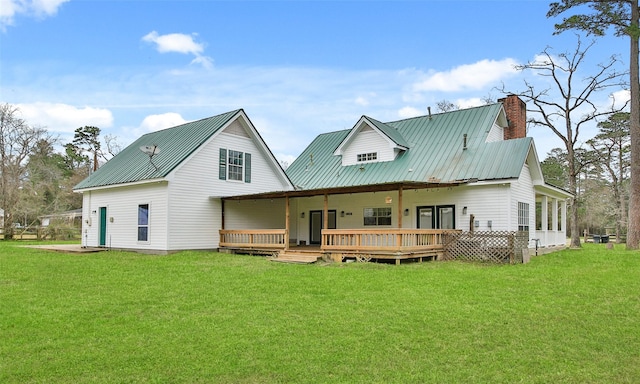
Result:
pixel 234 165
pixel 523 216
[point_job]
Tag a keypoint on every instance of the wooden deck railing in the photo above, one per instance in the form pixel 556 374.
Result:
pixel 253 238
pixel 342 240
pixel 382 240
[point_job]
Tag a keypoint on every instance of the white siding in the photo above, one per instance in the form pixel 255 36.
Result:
pixel 185 210
pixel 236 128
pixel 195 218
pixel 485 202
pixel 122 216
pixel 495 134
pixel 522 191
pixel 255 214
pixel 367 141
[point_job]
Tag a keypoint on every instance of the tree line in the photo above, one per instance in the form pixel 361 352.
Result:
pixel 36 177
pixel 602 176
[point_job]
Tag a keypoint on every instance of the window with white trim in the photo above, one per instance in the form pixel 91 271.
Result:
pixel 143 222
pixel 234 165
pixel 377 216
pixel 523 216
pixel 367 156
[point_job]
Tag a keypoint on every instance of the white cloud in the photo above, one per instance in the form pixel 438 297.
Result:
pixel 179 43
pixel 65 118
pixel 35 8
pixel 365 100
pixel 469 103
pixel 468 76
pixel 284 159
pixel 158 122
pixel 174 42
pixel 205 61
pixel 361 101
pixel 618 99
pixel 408 112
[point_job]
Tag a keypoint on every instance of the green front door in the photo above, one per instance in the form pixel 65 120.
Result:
pixel 103 227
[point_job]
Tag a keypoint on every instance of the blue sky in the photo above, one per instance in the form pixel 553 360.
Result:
pixel 298 68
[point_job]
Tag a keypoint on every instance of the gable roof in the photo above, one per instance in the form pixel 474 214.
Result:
pixel 174 145
pixel 435 153
pixel 388 132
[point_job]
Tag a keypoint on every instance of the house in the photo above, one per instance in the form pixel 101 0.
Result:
pixel 396 186
pixel 163 192
pixel 71 218
pixel 391 188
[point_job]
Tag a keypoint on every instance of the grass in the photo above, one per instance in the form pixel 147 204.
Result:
pixel 569 317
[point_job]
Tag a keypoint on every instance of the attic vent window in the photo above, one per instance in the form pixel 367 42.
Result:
pixel 367 156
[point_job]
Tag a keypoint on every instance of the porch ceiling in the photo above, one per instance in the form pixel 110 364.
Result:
pixel 346 190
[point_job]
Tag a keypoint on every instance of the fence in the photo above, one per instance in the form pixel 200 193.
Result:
pixel 489 246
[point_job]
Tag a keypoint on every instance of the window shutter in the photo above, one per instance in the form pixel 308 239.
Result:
pixel 247 167
pixel 222 173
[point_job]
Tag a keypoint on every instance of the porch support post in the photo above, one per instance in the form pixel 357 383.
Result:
pixel 544 217
pixel 563 219
pixel 222 213
pixel 286 224
pixel 400 207
pixel 325 218
pixel 554 220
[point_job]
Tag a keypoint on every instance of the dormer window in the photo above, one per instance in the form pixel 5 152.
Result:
pixel 370 141
pixel 371 156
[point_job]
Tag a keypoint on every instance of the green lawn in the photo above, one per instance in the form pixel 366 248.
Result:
pixel 568 317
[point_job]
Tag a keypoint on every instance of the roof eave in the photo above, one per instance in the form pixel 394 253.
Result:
pixel 118 185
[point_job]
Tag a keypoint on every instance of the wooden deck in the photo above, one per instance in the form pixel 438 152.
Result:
pixel 340 244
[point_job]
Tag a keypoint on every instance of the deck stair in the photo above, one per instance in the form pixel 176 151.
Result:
pixel 297 257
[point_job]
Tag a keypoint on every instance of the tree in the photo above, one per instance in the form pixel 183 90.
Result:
pixel 554 168
pixel 566 106
pixel 623 16
pixel 17 141
pixel 611 146
pixel 446 106
pixel 87 139
pixel 47 185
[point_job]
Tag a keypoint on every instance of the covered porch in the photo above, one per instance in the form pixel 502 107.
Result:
pixel 551 219
pixel 328 242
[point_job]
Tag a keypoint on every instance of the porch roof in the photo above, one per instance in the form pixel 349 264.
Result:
pixel 405 185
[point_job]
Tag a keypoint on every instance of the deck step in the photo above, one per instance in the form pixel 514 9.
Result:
pixel 295 257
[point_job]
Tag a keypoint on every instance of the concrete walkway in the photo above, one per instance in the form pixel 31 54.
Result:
pixel 67 248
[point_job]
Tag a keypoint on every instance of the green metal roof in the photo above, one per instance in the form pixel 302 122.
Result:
pixel 435 153
pixel 174 144
pixel 389 131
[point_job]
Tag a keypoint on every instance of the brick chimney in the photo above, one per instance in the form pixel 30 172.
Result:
pixel 516 110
